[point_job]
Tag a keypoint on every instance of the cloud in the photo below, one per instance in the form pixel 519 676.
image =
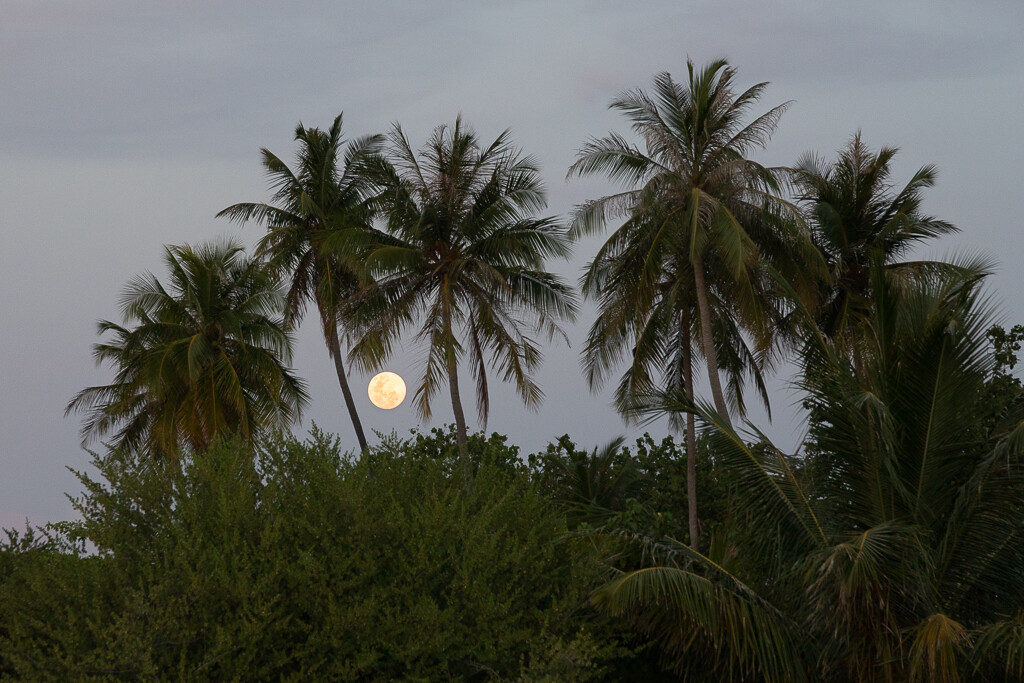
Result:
pixel 117 78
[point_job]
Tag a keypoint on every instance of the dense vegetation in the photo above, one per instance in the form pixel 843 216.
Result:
pixel 297 562
pixel 213 545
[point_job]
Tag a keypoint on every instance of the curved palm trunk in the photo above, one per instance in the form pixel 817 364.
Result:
pixel 453 384
pixel 334 346
pixel 691 441
pixel 707 343
pixel 460 418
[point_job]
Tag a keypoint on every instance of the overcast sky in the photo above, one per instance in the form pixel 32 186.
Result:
pixel 125 126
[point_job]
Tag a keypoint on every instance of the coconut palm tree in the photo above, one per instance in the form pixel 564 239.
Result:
pixel 695 199
pixel 465 265
pixel 703 231
pixel 857 215
pixel 893 550
pixel 312 212
pixel 590 486
pixel 202 357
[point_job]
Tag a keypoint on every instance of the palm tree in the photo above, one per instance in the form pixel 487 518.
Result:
pixel 465 264
pixel 704 227
pixel 205 356
pixel 697 199
pixel 313 209
pixel 893 550
pixel 856 216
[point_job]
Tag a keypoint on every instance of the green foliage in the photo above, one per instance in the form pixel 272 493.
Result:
pixel 893 551
pixel 640 489
pixel 303 564
pixel 1004 392
pixel 590 487
pixel 440 446
pixel 202 358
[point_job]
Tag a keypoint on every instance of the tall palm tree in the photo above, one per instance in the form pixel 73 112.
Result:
pixel 311 208
pixel 697 201
pixel 202 357
pixel 465 264
pixel 703 229
pixel 857 216
pixel 893 550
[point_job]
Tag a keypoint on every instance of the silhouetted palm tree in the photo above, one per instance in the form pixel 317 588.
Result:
pixel 312 212
pixel 703 229
pixel 203 357
pixel 465 265
pixel 698 200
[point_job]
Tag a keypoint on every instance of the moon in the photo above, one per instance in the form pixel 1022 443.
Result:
pixel 386 390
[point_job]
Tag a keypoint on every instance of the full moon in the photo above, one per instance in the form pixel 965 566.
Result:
pixel 386 390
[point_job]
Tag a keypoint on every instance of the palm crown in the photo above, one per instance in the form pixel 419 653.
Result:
pixel 314 211
pixel 202 357
pixel 465 263
pixel 699 208
pixel 857 216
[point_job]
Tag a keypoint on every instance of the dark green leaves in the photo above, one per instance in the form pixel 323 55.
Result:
pixel 204 357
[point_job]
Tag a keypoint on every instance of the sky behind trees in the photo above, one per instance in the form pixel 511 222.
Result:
pixel 124 128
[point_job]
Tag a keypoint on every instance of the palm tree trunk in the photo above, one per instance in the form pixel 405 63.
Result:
pixel 453 383
pixel 707 342
pixel 334 347
pixel 460 418
pixel 691 440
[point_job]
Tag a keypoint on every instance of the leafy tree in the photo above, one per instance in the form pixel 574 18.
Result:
pixel 689 263
pixel 1004 391
pixel 312 204
pixel 465 264
pixel 440 446
pixel 305 564
pixel 203 357
pixel 590 486
pixel 642 488
pixel 896 558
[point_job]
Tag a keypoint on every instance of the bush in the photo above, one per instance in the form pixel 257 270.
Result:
pixel 304 564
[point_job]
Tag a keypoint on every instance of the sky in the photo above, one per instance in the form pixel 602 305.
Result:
pixel 125 126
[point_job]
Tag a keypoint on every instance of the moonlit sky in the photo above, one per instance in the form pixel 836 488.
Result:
pixel 125 126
